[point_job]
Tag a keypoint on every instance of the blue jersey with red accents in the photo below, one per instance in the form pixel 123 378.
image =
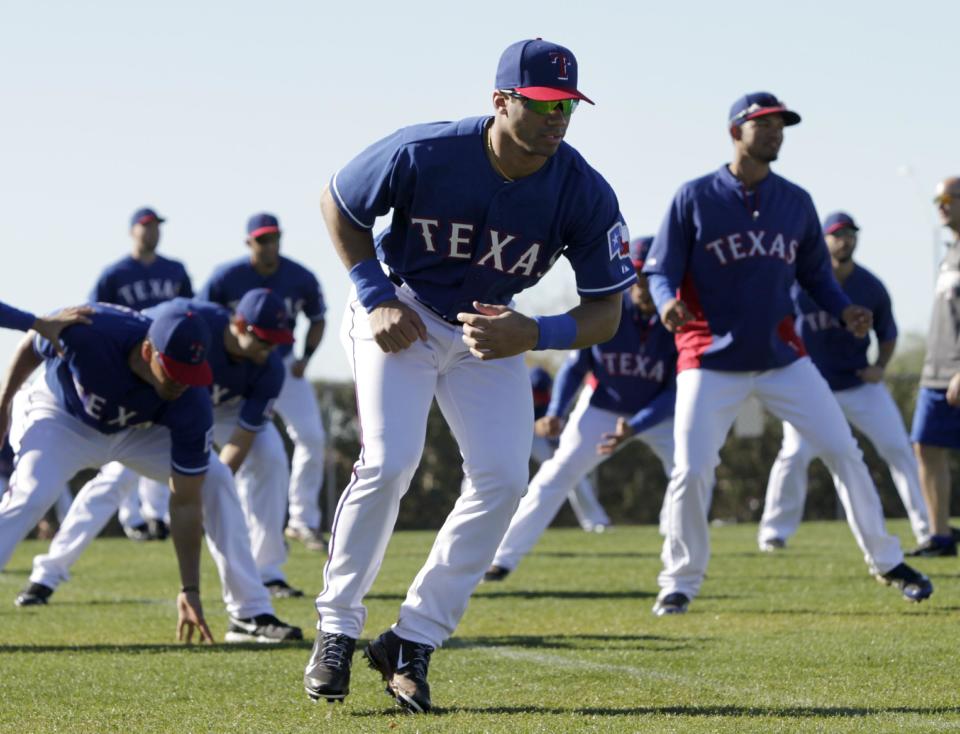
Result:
pixel 257 385
pixel 296 285
pixel 14 318
pixel 542 384
pixel 732 257
pixel 836 352
pixel 461 233
pixel 131 283
pixel 94 383
pixel 634 373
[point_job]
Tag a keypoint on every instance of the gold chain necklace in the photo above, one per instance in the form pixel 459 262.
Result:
pixel 493 156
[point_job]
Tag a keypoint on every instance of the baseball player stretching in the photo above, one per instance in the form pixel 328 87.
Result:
pixel 731 246
pixel 247 376
pixel 858 387
pixel 129 389
pixel 631 395
pixel 297 404
pixel 481 210
pixel 140 280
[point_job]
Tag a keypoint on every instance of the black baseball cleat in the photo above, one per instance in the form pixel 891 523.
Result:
pixel 280 589
pixel 935 547
pixel 157 530
pixel 34 595
pixel 328 670
pixel 403 665
pixel 772 545
pixel 139 533
pixel 912 584
pixel 264 628
pixel 496 573
pixel 672 603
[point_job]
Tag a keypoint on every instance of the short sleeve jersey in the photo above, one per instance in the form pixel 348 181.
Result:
pixel 942 360
pixel 732 256
pixel 94 383
pixel 135 285
pixel 256 385
pixel 837 353
pixel 460 233
pixel 295 284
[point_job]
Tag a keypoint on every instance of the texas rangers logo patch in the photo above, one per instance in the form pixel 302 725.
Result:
pixel 618 241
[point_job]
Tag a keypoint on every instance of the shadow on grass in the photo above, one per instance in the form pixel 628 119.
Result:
pixel 486 592
pixel 555 641
pixel 153 648
pixel 771 712
pixel 594 554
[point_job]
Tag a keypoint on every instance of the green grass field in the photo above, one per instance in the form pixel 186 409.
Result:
pixel 800 641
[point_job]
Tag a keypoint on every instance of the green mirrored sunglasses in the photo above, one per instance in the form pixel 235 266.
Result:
pixel 566 106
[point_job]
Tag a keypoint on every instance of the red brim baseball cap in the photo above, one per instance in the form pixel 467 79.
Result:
pixel 551 94
pixel 274 336
pixel 195 375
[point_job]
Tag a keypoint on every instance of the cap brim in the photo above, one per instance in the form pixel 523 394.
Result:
pixel 195 375
pixel 274 336
pixel 789 116
pixel 150 218
pixel 262 231
pixel 841 225
pixel 551 94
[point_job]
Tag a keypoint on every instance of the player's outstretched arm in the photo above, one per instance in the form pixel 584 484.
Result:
pixel 49 327
pixel 186 529
pixel 394 325
pixel 235 450
pixel 495 332
pixel 25 361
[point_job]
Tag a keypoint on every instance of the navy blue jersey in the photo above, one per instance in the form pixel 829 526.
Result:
pixel 634 373
pixel 542 384
pixel 732 256
pixel 93 382
pixel 836 352
pixel 460 233
pixel 296 285
pixel 7 459
pixel 257 385
pixel 130 283
pixel 14 318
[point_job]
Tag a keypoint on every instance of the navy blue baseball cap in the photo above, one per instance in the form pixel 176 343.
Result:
pixel 837 221
pixel 145 214
pixel 758 104
pixel 264 313
pixel 261 224
pixel 639 248
pixel 181 339
pixel 539 70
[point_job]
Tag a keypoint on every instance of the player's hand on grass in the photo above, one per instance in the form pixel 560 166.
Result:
pixel 953 391
pixel 872 373
pixel 49 327
pixel 495 332
pixel 612 441
pixel 396 326
pixel 859 320
pixel 675 314
pixel 190 618
pixel 549 426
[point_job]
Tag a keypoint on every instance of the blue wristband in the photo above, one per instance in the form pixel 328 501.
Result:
pixel 556 332
pixel 373 286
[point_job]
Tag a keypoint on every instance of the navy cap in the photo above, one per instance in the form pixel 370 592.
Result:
pixel 181 339
pixel 758 104
pixel 145 214
pixel 539 70
pixel 639 248
pixel 265 314
pixel 261 224
pixel 838 221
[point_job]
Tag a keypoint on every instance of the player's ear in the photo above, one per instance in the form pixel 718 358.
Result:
pixel 736 132
pixel 146 350
pixel 499 102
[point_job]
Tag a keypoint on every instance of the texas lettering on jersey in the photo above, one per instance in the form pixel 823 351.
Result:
pixel 628 364
pixel 743 245
pixel 152 290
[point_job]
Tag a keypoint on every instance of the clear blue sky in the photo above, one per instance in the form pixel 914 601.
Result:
pixel 211 111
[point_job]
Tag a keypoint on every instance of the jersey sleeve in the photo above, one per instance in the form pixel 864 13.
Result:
pixel 212 290
pixel 884 324
pixel 190 421
pixel 257 406
pixel 314 307
pixel 102 291
pixel 601 261
pixel 814 271
pixel 568 380
pixel 656 411
pixel 14 318
pixel 186 285
pixel 666 261
pixel 366 187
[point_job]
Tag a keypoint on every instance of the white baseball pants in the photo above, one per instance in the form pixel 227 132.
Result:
pixel 575 457
pixel 52 446
pixel 707 404
pixel 489 408
pixel 151 501
pixel 582 498
pixel 872 411
pixel 297 405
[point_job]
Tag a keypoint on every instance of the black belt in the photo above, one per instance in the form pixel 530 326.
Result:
pixel 398 281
